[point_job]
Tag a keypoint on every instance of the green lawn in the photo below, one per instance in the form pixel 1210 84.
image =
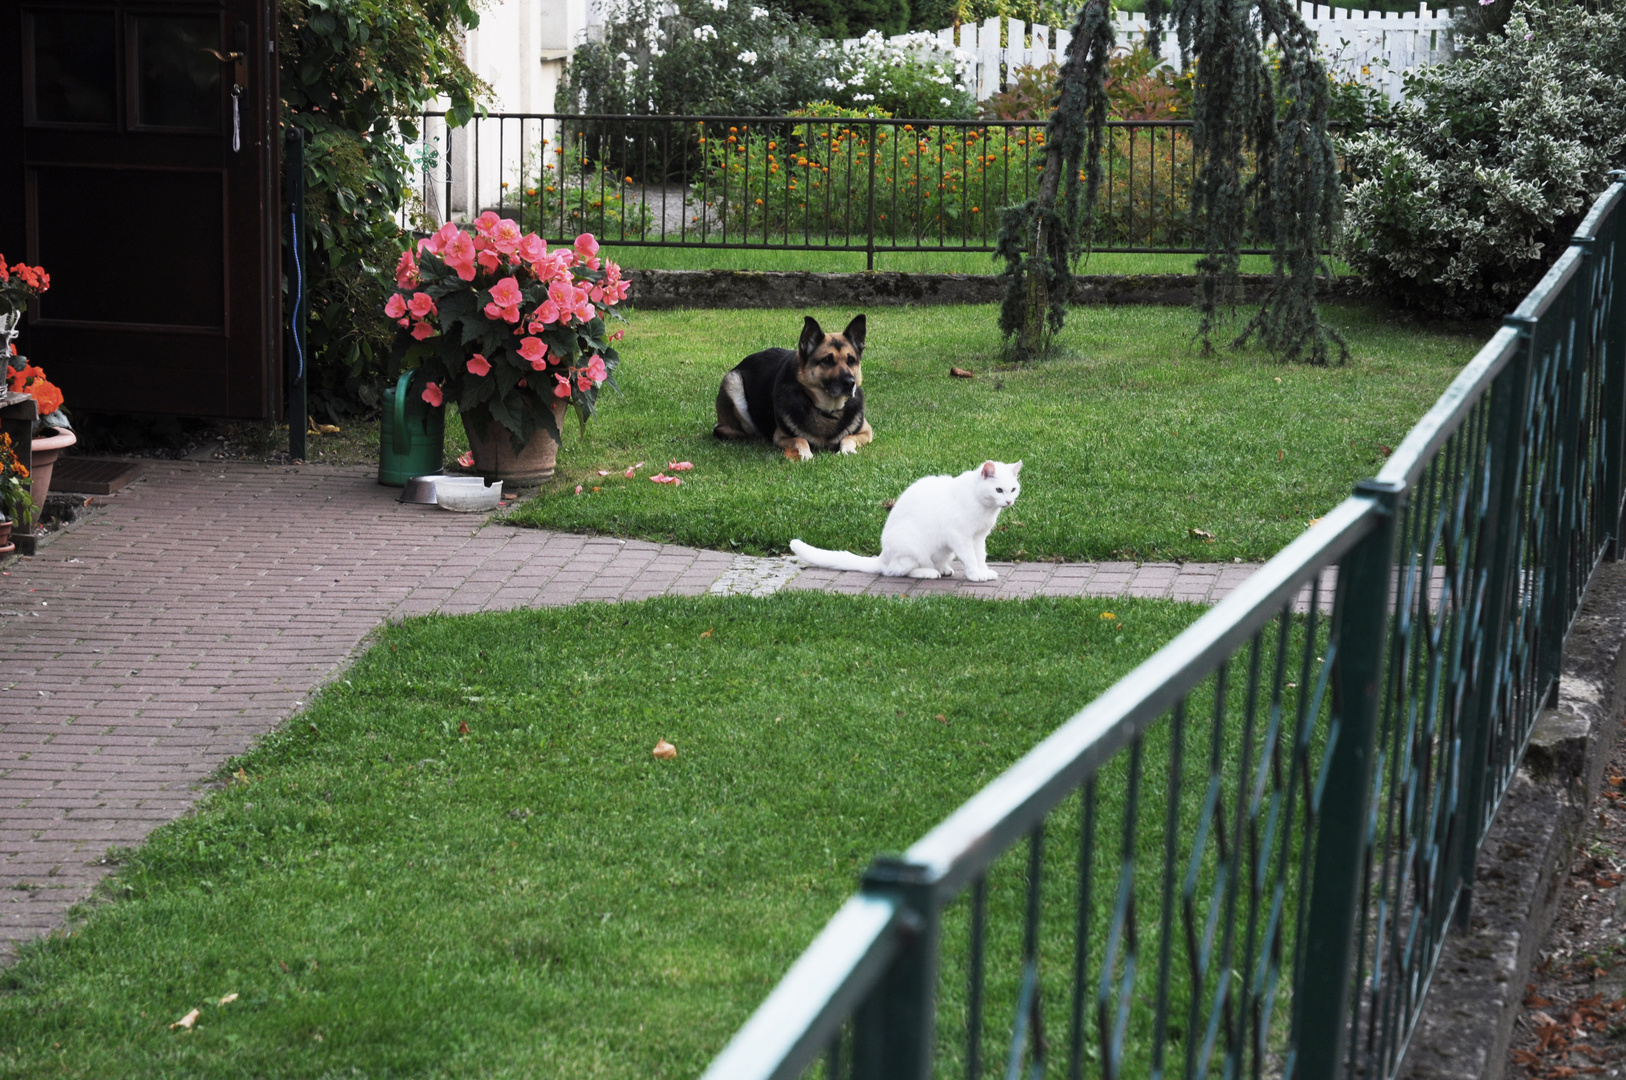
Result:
pixel 462 860
pixel 1130 441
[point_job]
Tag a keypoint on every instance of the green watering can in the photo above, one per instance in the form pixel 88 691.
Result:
pixel 413 435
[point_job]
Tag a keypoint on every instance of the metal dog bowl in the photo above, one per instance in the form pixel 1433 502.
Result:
pixel 466 494
pixel 419 489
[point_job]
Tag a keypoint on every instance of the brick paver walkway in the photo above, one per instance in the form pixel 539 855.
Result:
pixel 207 601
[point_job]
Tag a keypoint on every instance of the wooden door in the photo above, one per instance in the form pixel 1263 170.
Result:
pixel 137 165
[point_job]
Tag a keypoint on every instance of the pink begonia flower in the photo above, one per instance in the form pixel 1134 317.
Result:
pixel 406 271
pixel 466 459
pixel 396 307
pixel 535 352
pixel 583 383
pixel 618 335
pixel 679 466
pixel 532 248
pixel 505 300
pixel 547 313
pixel 422 305
pixel 505 236
pixel 486 222
pixel 596 370
pixel 443 236
pixel 489 261
pixel 596 294
pixel 479 365
pixel 432 394
pixel 459 256
pixel 587 250
pixel 422 331
pixel 563 389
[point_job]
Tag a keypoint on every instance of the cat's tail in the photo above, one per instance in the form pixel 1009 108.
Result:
pixel 835 560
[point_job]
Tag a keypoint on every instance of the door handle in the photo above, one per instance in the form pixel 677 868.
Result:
pixel 239 62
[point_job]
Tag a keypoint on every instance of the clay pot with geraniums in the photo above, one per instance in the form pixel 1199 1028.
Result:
pixel 510 333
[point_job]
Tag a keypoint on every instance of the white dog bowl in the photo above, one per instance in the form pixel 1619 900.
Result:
pixel 466 494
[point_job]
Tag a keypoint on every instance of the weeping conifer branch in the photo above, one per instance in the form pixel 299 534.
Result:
pixel 1240 111
pixel 1039 243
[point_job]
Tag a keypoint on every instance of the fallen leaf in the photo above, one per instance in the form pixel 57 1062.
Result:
pixel 1281 455
pixel 707 633
pixel 462 727
pixel 1313 521
pixel 242 776
pixel 228 999
pixel 941 719
pixel 1108 615
pixel 1524 1057
pixel 665 750
pixel 961 373
pixel 679 466
pixel 1203 534
pixel 1384 451
pixel 327 429
pixel 1278 378
pixel 1535 1001
pixel 187 1021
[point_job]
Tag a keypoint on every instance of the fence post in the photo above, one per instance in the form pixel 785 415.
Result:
pixel 893 1028
pixel 1560 554
pixel 1605 249
pixel 1361 623
pixel 1500 531
pixel 869 251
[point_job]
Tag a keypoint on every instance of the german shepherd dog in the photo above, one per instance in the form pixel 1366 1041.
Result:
pixel 809 398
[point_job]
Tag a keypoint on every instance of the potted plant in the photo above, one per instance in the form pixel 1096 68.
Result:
pixel 16 504
pixel 511 333
pixel 53 433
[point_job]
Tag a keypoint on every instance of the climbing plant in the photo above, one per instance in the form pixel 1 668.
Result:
pixel 1266 166
pixel 356 74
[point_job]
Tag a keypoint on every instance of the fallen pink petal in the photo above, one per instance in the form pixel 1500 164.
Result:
pixel 578 489
pixel 679 466
pixel 604 472
pixel 466 459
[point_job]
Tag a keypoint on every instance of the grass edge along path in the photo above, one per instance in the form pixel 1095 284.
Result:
pixel 462 859
pixel 1135 447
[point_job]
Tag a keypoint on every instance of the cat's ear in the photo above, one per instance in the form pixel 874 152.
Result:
pixel 1016 468
pixel 812 336
pixel 855 334
pixel 988 470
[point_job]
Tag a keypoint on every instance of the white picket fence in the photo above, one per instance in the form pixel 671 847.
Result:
pixel 1374 47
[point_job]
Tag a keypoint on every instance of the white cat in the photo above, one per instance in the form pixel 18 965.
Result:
pixel 935 519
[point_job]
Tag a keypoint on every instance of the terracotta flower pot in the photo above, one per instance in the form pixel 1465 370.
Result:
pixel 46 449
pixel 494 455
pixel 5 534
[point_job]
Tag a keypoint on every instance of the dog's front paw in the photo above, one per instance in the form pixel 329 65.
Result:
pixel 849 445
pixel 984 574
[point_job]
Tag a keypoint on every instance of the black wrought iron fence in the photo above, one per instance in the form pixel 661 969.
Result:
pixel 1244 858
pixel 795 183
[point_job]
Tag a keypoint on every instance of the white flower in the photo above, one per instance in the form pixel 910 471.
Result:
pixel 704 33
pixel 758 12
pixel 656 51
pixel 748 57
pixel 623 57
pixel 718 5
pixel 944 100
pixel 863 97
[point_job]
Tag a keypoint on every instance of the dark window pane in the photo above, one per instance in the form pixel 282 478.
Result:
pixel 173 219
pixel 177 76
pixel 75 81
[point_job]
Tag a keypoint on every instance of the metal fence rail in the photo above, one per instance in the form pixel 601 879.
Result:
pixel 794 183
pixel 1244 858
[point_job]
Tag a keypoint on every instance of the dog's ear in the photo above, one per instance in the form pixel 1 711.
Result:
pixel 855 334
pixel 812 337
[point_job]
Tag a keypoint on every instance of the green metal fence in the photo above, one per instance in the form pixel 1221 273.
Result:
pixel 1244 858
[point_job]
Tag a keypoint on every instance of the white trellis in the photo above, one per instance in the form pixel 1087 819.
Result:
pixel 1375 47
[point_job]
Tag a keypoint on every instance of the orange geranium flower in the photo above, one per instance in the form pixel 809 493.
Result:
pixel 32 381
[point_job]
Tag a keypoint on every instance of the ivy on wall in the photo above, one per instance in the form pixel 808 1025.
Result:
pixel 356 75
